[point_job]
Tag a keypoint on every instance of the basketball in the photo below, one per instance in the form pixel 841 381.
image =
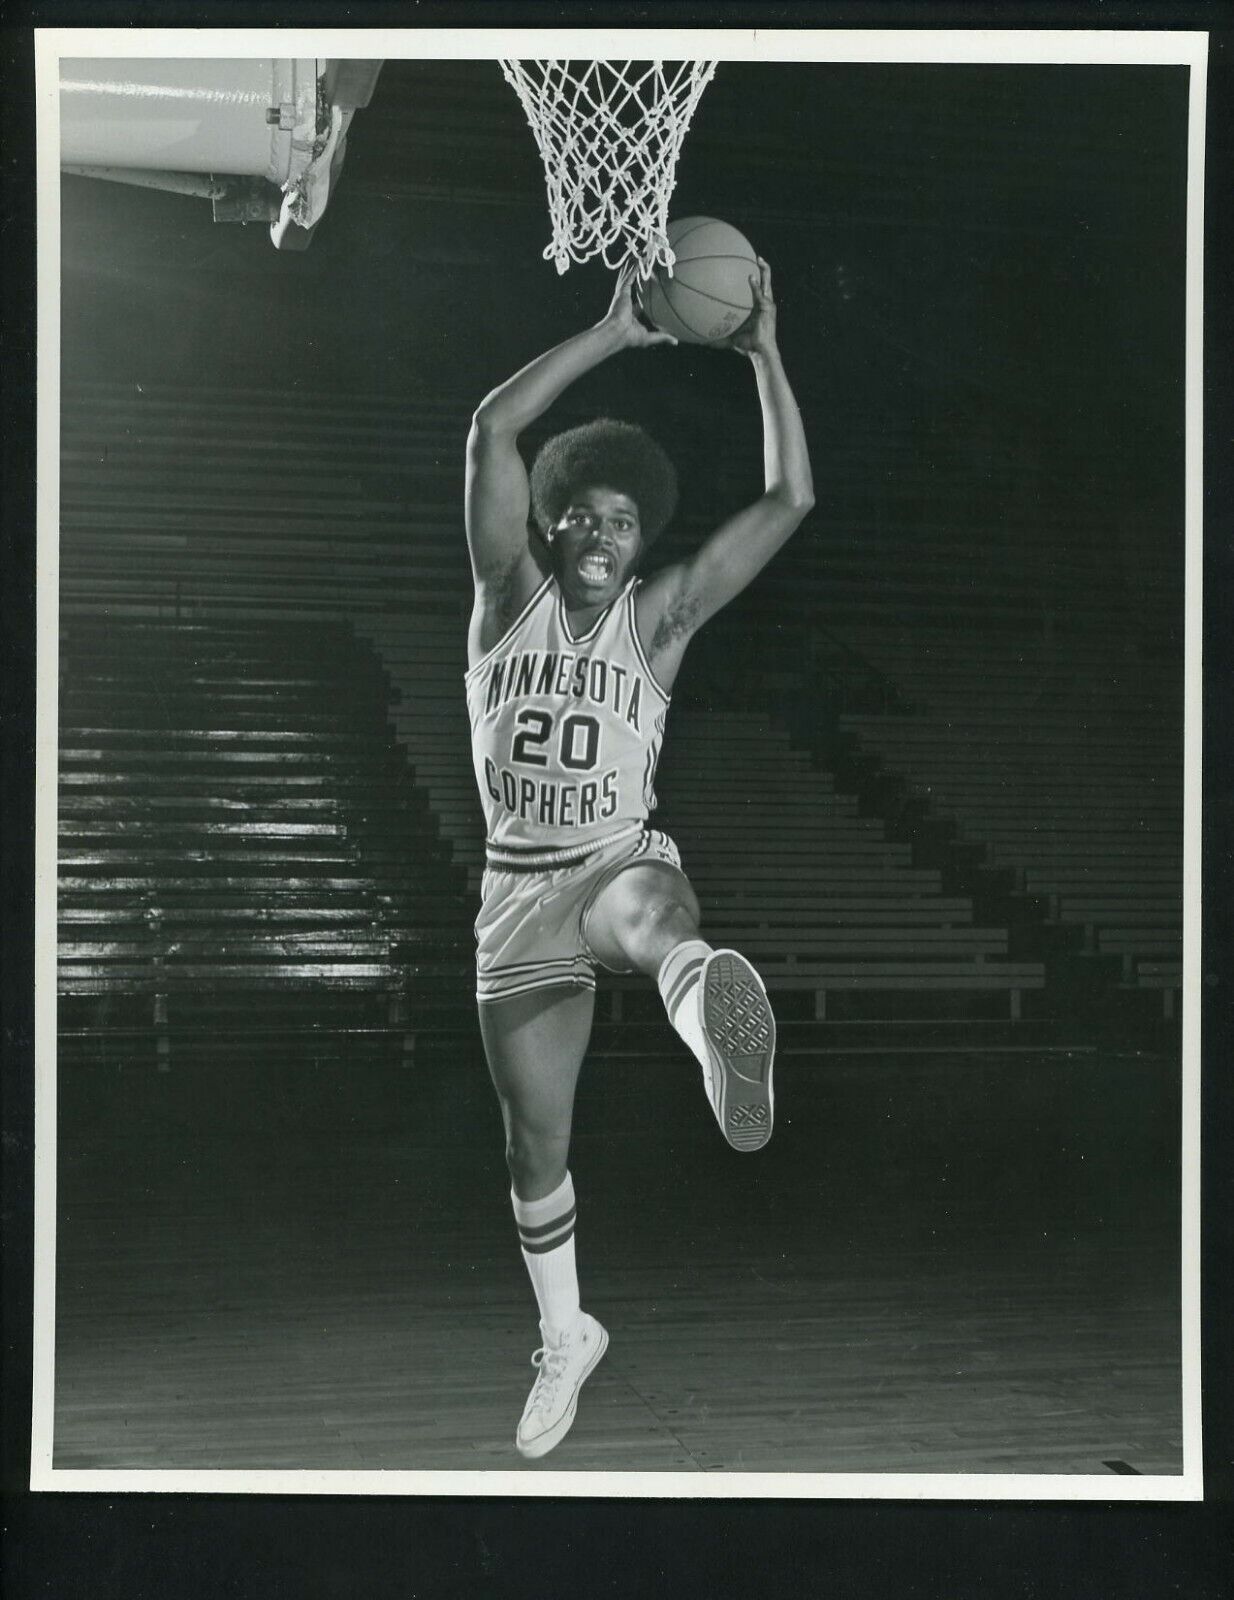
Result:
pixel 708 296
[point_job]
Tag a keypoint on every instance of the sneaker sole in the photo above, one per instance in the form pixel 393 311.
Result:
pixel 552 1437
pixel 741 1034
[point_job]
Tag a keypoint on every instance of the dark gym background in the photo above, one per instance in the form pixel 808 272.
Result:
pixel 933 759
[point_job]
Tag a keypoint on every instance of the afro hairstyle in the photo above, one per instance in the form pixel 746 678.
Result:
pixel 608 454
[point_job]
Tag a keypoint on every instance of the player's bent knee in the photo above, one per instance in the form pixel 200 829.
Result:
pixel 652 925
pixel 643 911
pixel 673 894
pixel 660 914
pixel 665 902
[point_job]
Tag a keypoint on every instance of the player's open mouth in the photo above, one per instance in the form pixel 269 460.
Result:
pixel 596 567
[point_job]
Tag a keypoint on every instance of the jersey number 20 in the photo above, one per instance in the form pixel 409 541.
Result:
pixel 578 740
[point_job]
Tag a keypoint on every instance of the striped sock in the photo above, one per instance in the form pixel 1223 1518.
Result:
pixel 546 1233
pixel 677 980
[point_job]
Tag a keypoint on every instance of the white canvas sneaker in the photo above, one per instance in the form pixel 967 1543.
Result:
pixel 740 1031
pixel 563 1369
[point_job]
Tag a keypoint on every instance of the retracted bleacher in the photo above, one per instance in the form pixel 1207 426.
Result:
pixel 818 895
pixel 237 823
pixel 1064 767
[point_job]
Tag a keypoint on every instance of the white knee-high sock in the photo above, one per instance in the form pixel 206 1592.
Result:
pixel 677 981
pixel 546 1233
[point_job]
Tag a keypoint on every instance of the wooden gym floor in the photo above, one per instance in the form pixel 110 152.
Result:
pixel 942 1263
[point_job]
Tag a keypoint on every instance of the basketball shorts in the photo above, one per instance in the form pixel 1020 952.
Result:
pixel 529 934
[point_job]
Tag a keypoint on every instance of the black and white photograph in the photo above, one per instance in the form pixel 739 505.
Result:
pixel 618 759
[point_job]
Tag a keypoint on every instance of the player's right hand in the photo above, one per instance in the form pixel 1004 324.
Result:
pixel 622 314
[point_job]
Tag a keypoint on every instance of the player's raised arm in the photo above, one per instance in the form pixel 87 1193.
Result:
pixel 681 598
pixel 497 487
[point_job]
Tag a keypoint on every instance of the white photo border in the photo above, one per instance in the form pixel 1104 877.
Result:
pixel 940 46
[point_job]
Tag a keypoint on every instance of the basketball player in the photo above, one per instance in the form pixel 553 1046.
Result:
pixel 572 659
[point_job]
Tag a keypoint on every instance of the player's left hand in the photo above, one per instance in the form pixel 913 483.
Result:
pixel 757 334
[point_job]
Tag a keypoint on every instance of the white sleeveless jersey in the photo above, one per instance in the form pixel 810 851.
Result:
pixel 565 731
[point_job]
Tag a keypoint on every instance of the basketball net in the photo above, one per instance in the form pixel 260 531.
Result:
pixel 609 134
